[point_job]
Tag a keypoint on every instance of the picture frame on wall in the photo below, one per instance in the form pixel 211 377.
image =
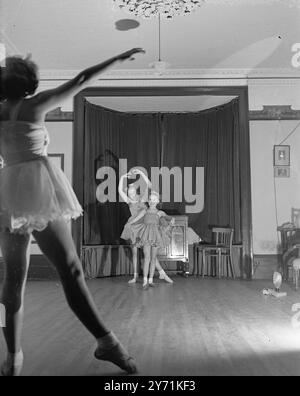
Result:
pixel 282 171
pixel 57 159
pixel 282 156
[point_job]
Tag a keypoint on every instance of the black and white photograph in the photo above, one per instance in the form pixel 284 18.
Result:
pixel 149 191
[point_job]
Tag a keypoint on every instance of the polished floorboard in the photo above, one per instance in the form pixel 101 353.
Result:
pixel 195 327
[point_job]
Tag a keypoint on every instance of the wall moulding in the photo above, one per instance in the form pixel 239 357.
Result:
pixel 269 113
pixel 150 73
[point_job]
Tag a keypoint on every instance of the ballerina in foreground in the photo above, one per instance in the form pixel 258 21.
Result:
pixel 36 198
pixel 137 204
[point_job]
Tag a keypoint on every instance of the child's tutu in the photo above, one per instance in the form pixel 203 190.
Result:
pixel 151 235
pixel 154 232
pixel 34 193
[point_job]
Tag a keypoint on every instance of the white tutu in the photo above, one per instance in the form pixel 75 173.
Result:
pixel 34 193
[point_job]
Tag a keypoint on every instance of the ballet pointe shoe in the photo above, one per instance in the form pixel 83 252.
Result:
pixel 165 277
pixel 12 369
pixel 118 356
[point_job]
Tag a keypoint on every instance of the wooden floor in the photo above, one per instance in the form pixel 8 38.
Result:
pixel 194 327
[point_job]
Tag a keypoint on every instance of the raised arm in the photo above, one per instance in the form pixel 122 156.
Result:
pixel 51 99
pixel 121 191
pixel 144 197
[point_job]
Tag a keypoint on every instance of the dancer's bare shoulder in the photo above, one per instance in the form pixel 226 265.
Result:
pixel 28 112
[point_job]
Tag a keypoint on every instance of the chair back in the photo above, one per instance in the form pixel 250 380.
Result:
pixel 223 236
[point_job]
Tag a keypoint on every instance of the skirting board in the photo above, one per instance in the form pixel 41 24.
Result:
pixel 40 269
pixel 265 265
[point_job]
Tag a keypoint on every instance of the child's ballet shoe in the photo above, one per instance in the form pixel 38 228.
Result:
pixel 9 369
pixel 152 284
pixel 119 356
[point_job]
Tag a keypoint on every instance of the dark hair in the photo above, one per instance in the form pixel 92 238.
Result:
pixel 18 78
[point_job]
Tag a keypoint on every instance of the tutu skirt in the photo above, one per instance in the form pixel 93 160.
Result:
pixel 34 193
pixel 153 231
pixel 153 235
pixel 131 231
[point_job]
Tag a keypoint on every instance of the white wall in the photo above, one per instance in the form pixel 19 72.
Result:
pixel 272 198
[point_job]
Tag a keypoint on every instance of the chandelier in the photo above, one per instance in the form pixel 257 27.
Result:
pixel 165 8
pixel 171 8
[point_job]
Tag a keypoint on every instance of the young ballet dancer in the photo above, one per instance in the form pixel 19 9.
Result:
pixel 36 198
pixel 152 235
pixel 137 203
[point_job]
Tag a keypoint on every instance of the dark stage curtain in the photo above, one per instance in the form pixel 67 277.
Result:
pixel 109 137
pixel 208 139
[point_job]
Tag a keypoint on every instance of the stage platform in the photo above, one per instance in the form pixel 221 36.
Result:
pixel 116 260
pixel 194 327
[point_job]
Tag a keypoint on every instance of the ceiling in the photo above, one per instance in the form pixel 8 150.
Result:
pixel 74 34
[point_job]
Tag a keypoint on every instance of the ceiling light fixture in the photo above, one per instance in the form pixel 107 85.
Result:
pixel 166 8
pixel 159 66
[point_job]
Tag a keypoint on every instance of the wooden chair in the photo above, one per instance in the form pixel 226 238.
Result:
pixel 220 251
